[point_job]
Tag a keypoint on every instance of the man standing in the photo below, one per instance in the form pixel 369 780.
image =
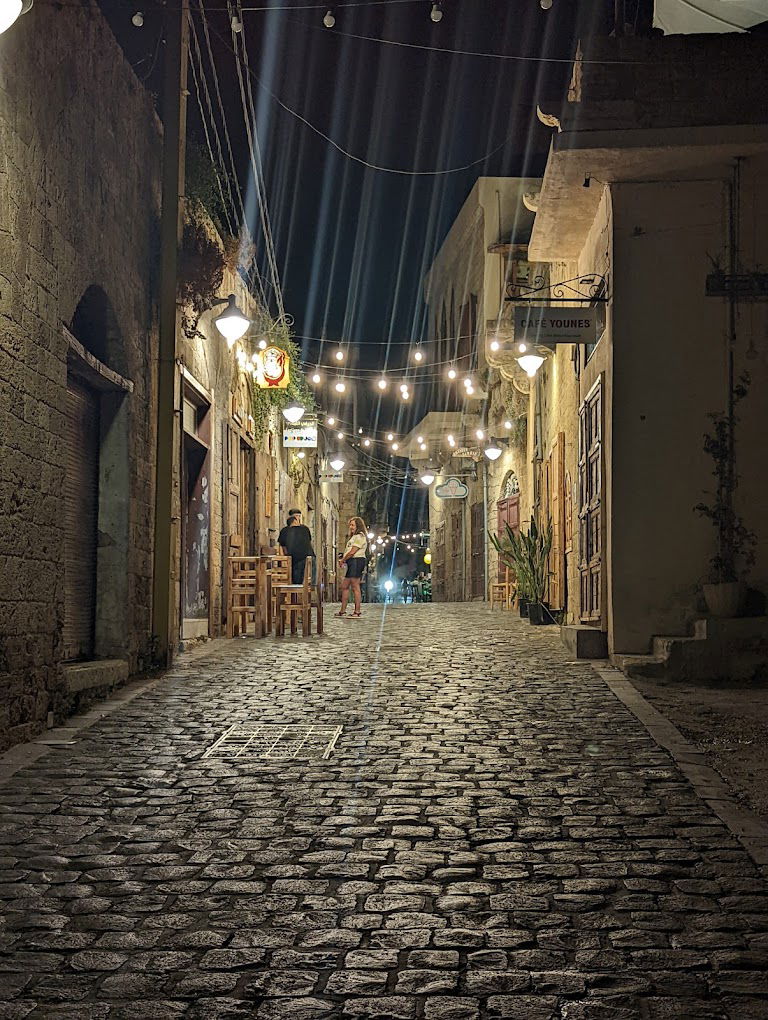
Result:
pixel 284 531
pixel 296 542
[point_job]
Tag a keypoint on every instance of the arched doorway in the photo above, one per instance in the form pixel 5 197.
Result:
pixel 96 488
pixel 508 511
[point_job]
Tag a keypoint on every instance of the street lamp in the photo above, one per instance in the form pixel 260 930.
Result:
pixel 232 324
pixel 530 363
pixel 427 478
pixel 293 412
pixel 337 463
pixel 10 10
pixel 492 451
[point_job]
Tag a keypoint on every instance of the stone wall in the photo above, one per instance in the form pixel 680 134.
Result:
pixel 80 150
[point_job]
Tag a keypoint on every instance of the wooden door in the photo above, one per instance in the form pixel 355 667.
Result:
pixel 478 551
pixel 555 504
pixel 438 564
pixel 591 505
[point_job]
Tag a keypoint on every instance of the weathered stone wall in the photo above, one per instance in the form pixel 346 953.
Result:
pixel 79 197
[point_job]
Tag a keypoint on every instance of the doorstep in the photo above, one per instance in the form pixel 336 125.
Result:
pixel 585 642
pixel 86 676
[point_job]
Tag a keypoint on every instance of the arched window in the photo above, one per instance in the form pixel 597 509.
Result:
pixel 510 486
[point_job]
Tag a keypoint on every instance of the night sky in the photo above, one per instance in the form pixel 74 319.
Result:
pixel 353 243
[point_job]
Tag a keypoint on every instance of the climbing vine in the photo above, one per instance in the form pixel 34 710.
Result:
pixel 277 334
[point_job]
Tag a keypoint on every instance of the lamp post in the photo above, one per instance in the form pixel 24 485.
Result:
pixel 11 11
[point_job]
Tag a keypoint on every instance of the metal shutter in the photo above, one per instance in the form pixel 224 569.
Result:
pixel 81 508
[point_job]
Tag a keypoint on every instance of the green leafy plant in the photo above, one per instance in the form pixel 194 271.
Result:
pixel 201 273
pixel 528 555
pixel 277 333
pixel 734 541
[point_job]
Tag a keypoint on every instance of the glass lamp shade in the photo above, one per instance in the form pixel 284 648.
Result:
pixel 337 463
pixel 530 364
pixel 427 478
pixel 293 413
pixel 10 10
pixel 492 452
pixel 232 324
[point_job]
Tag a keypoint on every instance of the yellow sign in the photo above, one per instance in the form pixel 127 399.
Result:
pixel 273 369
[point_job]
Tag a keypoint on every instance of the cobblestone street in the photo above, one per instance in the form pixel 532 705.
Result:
pixel 493 835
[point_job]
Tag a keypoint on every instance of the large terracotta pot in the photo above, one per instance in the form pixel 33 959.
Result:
pixel 725 600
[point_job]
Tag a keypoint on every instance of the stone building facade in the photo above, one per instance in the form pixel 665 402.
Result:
pixel 79 207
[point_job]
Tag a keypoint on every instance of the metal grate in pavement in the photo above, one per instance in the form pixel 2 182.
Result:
pixel 277 741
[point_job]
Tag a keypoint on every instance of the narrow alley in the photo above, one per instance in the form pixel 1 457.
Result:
pixel 493 834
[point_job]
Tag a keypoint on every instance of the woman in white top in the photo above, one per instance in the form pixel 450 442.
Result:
pixel 354 558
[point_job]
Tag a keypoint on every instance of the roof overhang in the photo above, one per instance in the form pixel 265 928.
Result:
pixel 567 208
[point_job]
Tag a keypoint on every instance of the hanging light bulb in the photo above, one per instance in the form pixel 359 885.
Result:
pixel 522 348
pixel 382 383
pixel 340 386
pixel 507 424
pixel 339 355
pixel 316 378
pixel 405 395
pixel 419 439
pixel 370 536
pixel 236 23
pixel 436 13
pixel 427 478
pixel 359 432
pixel 451 440
pixel 262 345
pixel 138 19
pixel 366 442
pixel 467 380
pixel 330 421
pixel 254 357
pixel 480 434
pixel 293 412
pixel 469 390
pixel 530 363
pixel 545 5
pixel 418 355
pixel 422 447
pixel 395 447
pixel 452 373
pixel 329 21
pixel 301 455
pixel 340 435
pixel 495 345
pixel 232 324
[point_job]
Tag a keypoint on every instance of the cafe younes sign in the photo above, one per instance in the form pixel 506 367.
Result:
pixel 553 325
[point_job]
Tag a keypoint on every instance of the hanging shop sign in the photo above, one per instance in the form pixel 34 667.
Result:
pixel 334 477
pixel 553 325
pixel 273 368
pixel 452 488
pixel 303 435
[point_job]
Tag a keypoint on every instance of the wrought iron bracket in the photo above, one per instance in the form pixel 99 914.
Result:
pixel 591 289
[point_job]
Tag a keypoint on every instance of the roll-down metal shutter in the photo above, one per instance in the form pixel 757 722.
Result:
pixel 81 505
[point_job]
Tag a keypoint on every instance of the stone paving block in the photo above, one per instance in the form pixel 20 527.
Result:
pixel 494 835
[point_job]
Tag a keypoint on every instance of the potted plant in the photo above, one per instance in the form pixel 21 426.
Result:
pixel 726 590
pixel 509 548
pixel 537 545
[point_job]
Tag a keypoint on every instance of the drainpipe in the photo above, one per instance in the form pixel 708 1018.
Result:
pixel 485 528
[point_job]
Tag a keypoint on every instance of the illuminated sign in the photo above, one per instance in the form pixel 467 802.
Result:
pixel 273 368
pixel 552 325
pixel 300 435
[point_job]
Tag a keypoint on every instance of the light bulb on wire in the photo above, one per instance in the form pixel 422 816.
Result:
pixel 330 421
pixel 137 19
pixel 452 373
pixel 236 23
pixel 382 383
pixel 390 437
pixel 329 21
pixel 436 13
pixel 316 378
pixel 418 355
pixel 340 386
pixel 545 4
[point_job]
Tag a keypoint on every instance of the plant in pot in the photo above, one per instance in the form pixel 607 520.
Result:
pixel 726 590
pixel 509 548
pixel 537 545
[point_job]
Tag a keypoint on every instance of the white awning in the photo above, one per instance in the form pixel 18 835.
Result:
pixel 687 17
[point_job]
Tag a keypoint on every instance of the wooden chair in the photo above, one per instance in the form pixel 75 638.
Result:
pixel 293 601
pixel 247 595
pixel 500 592
pixel 278 572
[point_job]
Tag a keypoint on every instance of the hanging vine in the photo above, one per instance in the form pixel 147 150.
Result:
pixel 277 334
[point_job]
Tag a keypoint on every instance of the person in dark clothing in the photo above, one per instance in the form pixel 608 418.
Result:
pixel 297 545
pixel 284 531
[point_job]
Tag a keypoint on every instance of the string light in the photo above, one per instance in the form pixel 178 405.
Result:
pixel 390 437
pixel 330 421
pixel 419 439
pixel 262 345
pixel 480 434
pixel 418 355
pixel 495 345
pixel 382 383
pixel 329 21
pixel 366 442
pixel 467 381
pixel 339 355
pixel 436 14
pixel 316 378
pixel 340 386
pixel 507 424
pixel 395 446
pixel 452 373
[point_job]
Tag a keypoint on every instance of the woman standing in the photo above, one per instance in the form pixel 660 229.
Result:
pixel 355 558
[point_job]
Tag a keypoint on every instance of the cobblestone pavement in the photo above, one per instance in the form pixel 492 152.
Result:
pixel 495 835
